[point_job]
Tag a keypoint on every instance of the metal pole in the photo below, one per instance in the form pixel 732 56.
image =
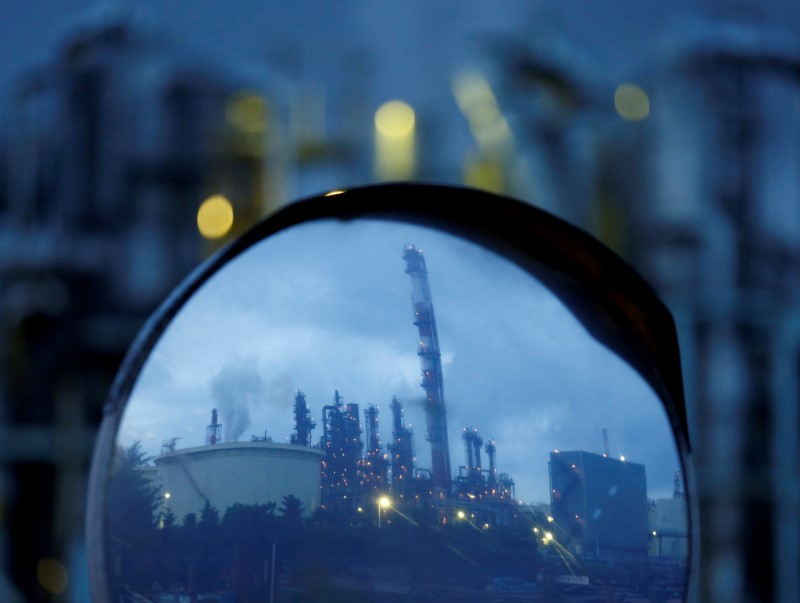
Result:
pixel 272 576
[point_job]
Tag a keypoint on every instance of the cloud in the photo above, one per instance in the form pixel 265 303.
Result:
pixel 327 306
pixel 236 388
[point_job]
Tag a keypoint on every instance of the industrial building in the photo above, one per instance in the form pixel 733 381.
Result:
pixel 599 505
pixel 223 474
pixel 353 471
pixel 669 527
pixel 343 470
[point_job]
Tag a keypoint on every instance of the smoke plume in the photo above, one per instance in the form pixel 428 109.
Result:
pixel 236 388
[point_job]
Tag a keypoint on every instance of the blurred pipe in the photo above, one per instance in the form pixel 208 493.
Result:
pixel 786 454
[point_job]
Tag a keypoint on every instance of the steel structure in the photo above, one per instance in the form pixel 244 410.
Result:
pixel 491 451
pixel 214 430
pixel 402 451
pixel 375 463
pixel 303 423
pixel 472 451
pixel 341 447
pixel 430 360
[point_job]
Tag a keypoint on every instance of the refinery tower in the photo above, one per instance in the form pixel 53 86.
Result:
pixel 431 362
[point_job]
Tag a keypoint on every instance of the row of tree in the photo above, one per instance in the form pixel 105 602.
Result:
pixel 237 550
pixel 199 553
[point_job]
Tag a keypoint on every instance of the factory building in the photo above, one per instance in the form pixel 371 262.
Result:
pixel 476 483
pixel 255 472
pixel 341 446
pixel 599 505
pixel 345 471
pixel 669 523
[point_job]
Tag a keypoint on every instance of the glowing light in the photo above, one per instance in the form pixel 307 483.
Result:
pixel 479 105
pixel 548 536
pixel 360 510
pixel 622 458
pixel 654 533
pixel 167 495
pixel 631 102
pixel 333 193
pixel 215 217
pixel 384 502
pixel 461 514
pixel 395 119
pixel 247 111
pixel 395 147
pixel 52 576
pixel 535 530
pixel 550 518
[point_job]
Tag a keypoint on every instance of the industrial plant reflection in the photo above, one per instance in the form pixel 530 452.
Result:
pixel 568 488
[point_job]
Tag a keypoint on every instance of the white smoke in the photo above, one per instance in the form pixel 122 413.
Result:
pixel 236 388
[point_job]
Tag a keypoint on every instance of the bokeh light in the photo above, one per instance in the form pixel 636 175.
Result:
pixel 631 102
pixel 215 217
pixel 247 111
pixel 395 119
pixel 52 576
pixel 395 146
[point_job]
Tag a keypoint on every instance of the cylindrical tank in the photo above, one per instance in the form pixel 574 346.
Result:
pixel 238 472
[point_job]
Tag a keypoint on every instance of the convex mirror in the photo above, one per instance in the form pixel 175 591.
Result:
pixel 399 393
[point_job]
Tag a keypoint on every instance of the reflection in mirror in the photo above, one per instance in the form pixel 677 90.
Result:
pixel 304 432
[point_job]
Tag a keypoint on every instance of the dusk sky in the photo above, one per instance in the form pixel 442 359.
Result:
pixel 327 307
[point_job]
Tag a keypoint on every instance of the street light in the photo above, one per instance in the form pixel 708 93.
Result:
pixel 383 503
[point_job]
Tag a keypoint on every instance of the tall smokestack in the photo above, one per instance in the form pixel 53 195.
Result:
pixel 431 362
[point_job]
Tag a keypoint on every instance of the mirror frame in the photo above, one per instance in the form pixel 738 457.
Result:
pixel 611 300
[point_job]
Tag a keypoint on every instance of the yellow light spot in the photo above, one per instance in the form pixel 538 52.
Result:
pixel 548 536
pixel 52 576
pixel 247 111
pixel 550 519
pixel 384 502
pixel 333 193
pixel 167 495
pixel 461 515
pixel 631 102
pixel 395 119
pixel 395 146
pixel 215 217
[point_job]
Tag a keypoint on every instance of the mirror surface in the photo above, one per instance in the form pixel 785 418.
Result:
pixel 309 429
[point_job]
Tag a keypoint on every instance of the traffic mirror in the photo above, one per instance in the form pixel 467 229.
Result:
pixel 399 393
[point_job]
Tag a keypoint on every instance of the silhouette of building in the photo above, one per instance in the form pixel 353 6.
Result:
pixel 599 505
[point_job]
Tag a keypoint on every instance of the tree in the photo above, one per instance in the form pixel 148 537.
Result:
pixel 131 537
pixel 291 509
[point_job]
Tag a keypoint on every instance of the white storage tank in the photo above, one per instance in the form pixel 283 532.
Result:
pixel 238 472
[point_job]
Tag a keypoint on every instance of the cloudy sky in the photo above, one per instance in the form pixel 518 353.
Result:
pixel 327 306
